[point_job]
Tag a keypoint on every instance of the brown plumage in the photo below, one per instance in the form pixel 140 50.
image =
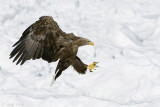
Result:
pixel 44 39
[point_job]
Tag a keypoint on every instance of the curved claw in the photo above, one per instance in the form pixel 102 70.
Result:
pixel 92 66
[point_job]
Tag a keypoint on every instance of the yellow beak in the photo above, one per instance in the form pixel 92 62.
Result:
pixel 91 43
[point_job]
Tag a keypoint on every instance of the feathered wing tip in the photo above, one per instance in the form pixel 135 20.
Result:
pixel 62 65
pixel 53 79
pixel 37 41
pixel 26 50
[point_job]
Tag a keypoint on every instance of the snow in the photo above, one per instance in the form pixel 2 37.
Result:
pixel 127 45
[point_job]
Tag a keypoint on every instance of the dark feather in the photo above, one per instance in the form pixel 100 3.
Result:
pixel 38 41
pixel 79 66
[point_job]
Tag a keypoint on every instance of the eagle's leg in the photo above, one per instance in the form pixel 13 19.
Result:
pixel 92 66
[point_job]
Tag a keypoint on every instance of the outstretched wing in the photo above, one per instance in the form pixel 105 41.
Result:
pixel 38 41
pixel 79 66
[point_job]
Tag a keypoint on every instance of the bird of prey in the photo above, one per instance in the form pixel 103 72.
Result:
pixel 44 39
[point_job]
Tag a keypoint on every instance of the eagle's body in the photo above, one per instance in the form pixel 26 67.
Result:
pixel 44 39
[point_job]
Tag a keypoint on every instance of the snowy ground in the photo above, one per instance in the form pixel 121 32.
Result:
pixel 126 34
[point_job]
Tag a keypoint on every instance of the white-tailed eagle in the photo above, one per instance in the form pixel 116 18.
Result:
pixel 44 39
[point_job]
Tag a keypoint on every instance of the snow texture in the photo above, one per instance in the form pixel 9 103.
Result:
pixel 126 34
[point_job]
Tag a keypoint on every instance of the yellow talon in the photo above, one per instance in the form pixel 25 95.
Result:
pixel 92 66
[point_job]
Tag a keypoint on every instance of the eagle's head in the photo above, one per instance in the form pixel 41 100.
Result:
pixel 84 41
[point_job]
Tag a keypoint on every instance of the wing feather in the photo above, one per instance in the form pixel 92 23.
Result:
pixel 24 52
pixel 18 52
pixel 43 33
pixel 37 51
